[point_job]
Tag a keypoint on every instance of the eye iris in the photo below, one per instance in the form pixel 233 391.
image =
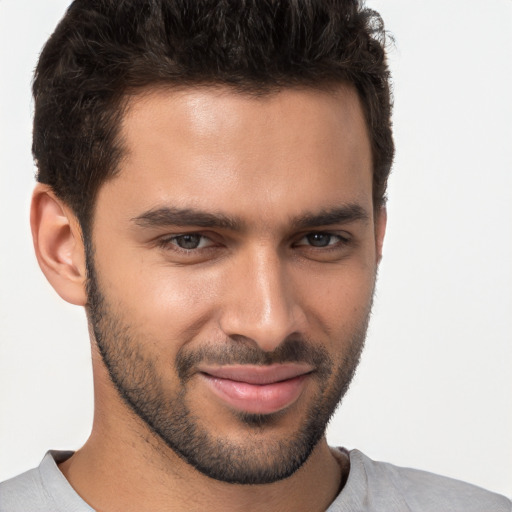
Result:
pixel 319 239
pixel 188 241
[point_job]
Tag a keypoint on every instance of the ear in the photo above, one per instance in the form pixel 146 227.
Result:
pixel 58 244
pixel 381 218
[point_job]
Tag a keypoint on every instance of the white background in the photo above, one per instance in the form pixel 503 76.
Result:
pixel 434 390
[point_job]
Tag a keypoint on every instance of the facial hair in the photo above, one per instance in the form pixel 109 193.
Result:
pixel 133 371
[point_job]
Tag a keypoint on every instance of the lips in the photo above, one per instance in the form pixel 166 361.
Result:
pixel 257 389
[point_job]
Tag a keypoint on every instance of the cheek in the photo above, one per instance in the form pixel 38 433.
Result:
pixel 166 304
pixel 337 301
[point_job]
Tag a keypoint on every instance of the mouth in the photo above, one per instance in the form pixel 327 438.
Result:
pixel 257 389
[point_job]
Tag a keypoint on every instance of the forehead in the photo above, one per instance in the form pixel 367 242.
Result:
pixel 215 149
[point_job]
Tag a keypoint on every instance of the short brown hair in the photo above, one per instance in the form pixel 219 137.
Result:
pixel 104 49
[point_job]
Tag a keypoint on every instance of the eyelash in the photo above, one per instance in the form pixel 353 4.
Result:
pixel 341 240
pixel 169 242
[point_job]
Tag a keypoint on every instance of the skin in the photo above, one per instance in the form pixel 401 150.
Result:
pixel 265 162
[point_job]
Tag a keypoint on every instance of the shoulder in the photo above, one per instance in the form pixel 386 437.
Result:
pixel 424 491
pixel 41 489
pixel 24 490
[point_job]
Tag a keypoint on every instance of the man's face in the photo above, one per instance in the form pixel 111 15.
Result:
pixel 233 270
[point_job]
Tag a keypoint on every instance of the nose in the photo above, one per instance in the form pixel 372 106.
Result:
pixel 261 303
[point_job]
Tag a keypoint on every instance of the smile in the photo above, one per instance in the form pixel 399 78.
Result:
pixel 257 389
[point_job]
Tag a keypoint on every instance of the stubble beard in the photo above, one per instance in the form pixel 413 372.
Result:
pixel 133 371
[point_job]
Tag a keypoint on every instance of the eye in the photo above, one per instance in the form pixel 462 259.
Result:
pixel 320 239
pixel 187 242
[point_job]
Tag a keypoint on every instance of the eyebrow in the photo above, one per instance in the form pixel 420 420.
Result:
pixel 328 217
pixel 162 217
pixel 167 216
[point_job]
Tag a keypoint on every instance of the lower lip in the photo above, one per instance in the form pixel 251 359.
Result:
pixel 257 399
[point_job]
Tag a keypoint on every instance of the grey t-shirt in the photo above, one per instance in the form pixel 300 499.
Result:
pixel 371 487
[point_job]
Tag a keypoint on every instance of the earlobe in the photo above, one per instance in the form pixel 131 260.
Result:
pixel 381 217
pixel 58 245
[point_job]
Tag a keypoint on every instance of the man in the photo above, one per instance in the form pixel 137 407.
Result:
pixel 212 190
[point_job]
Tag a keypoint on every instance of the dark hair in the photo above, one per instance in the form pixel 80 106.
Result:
pixel 104 50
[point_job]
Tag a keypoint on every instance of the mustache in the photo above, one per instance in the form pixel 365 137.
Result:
pixel 239 351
